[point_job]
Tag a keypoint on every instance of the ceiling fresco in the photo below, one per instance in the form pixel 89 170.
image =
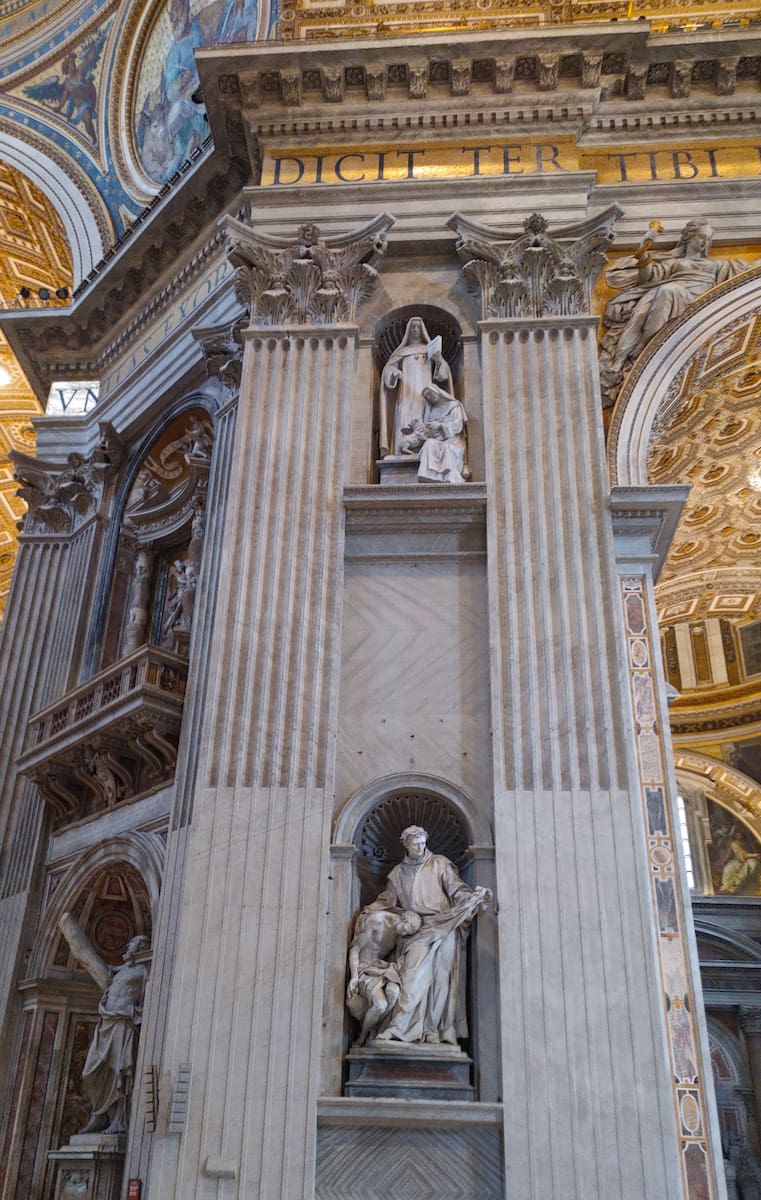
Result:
pixel 169 117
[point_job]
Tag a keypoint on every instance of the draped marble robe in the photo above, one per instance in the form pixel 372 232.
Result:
pixel 408 370
pixel 429 1008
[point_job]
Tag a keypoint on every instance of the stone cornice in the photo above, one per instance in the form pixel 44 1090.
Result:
pixel 80 339
pixel 596 76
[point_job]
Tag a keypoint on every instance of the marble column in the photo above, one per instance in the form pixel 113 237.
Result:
pixel 246 998
pixel 588 1104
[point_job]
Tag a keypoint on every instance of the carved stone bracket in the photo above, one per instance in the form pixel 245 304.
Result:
pixel 60 499
pixel 309 279
pixel 223 348
pixel 539 273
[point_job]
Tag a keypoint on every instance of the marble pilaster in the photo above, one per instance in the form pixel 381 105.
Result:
pixel 644 520
pixel 165 931
pixel 246 998
pixel 49 592
pixel 588 1103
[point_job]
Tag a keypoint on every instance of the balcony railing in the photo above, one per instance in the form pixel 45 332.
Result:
pixel 110 739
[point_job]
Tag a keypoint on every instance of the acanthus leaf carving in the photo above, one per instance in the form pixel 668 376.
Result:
pixel 223 349
pixel 309 279
pixel 60 498
pixel 538 273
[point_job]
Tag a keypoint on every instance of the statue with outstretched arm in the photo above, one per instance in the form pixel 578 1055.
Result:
pixel 109 1070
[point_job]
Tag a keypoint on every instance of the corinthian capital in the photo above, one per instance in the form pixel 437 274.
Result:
pixel 538 273
pixel 309 279
pixel 60 498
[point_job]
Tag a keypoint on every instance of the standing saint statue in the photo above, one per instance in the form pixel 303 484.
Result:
pixel 421 975
pixel 414 365
pixel 109 1070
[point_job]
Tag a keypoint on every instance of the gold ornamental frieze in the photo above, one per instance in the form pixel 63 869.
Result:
pixel 650 162
pixel 348 18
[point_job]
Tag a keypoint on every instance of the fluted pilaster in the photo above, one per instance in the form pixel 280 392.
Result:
pixel 246 1000
pixel 588 1108
pixel 44 609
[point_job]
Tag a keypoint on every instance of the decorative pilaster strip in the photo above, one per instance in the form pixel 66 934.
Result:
pixel 309 280
pixel 678 996
pixel 538 274
pixel 38 632
pixel 166 927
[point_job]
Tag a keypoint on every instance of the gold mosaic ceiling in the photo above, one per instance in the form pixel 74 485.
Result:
pixel 33 254
pixel 713 442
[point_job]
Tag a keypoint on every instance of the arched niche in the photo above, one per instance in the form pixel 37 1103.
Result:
pixel 732 1087
pixel 157 557
pixel 349 822
pixel 649 388
pixel 140 852
pixel 365 847
pixel 113 888
pixel 388 419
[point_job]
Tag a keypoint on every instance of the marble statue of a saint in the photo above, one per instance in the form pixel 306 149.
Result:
pixel 180 606
pixel 426 960
pixel 414 365
pixel 657 287
pixel 108 1073
pixel 440 438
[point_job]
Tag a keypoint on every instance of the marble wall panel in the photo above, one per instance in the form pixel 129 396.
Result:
pixel 414 692
pixel 409 1164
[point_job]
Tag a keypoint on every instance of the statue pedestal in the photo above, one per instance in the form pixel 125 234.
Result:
pixel 409 1071
pixel 89 1167
pixel 398 469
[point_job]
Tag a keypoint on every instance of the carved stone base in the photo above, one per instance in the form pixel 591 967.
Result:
pixel 398 469
pixel 402 1070
pixel 89 1167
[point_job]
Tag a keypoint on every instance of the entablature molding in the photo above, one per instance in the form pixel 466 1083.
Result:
pixel 556 75
pixel 644 523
